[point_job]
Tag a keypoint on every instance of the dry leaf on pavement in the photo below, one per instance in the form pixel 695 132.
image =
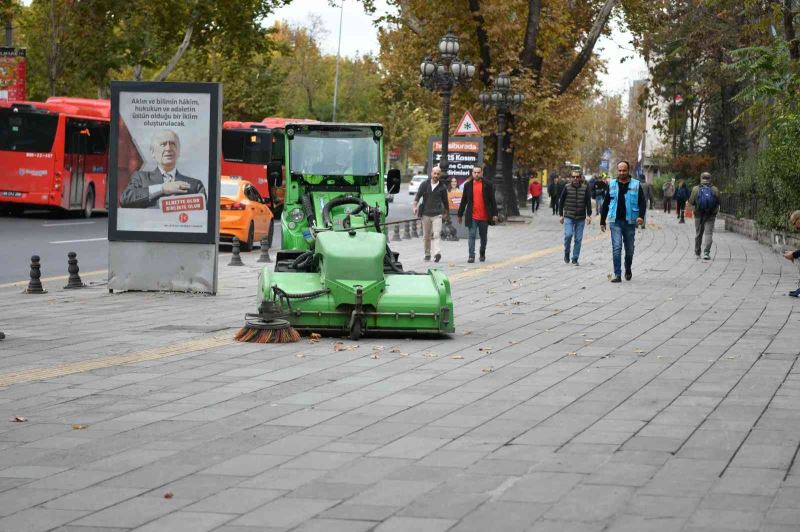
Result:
pixel 457 357
pixel 79 426
pixel 573 353
pixel 488 370
pixel 19 419
pixel 374 355
pixel 168 495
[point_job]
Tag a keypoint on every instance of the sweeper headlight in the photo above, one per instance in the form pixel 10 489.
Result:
pixel 296 215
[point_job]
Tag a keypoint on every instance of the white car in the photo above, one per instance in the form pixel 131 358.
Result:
pixel 416 181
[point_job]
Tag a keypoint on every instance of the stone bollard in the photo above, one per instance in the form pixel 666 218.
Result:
pixel 396 233
pixel 264 257
pixel 35 285
pixel 74 280
pixel 236 259
pixel 406 230
pixel 414 232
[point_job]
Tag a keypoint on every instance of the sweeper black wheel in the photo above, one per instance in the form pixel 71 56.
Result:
pixel 355 332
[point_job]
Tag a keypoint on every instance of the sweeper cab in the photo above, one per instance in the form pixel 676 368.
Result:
pixel 336 272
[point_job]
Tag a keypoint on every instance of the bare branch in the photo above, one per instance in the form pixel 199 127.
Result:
pixel 408 18
pixel 167 70
pixel 788 28
pixel 529 58
pixel 586 53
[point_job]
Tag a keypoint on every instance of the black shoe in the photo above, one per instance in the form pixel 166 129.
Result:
pixel 616 280
pixel 566 257
pixel 575 262
pixel 697 254
pixel 682 222
pixel 793 293
pixel 427 257
pixel 483 258
pixel 471 260
pixel 707 256
pixel 628 275
pixel 437 257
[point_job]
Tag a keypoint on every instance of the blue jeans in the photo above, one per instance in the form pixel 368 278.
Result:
pixel 573 227
pixel 598 203
pixel 478 227
pixel 622 232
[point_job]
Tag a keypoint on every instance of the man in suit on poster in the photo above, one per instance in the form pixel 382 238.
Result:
pixel 146 187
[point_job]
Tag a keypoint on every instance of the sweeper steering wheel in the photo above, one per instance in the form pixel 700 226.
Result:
pixel 342 200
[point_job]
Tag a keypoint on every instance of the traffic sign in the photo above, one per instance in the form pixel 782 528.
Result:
pixel 467 125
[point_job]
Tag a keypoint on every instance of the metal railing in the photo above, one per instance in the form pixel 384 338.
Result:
pixel 739 205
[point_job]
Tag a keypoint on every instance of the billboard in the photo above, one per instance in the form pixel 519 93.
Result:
pixel 13 74
pixel 165 157
pixel 462 154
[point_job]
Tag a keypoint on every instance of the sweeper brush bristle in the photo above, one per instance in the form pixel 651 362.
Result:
pixel 260 331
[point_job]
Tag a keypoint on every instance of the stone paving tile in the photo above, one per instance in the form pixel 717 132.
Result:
pixel 687 411
pixel 38 519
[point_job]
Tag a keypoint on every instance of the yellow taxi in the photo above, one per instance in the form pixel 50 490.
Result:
pixel 243 212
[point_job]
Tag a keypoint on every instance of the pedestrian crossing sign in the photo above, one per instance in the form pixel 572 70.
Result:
pixel 467 125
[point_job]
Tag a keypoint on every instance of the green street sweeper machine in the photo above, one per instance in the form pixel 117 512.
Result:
pixel 336 272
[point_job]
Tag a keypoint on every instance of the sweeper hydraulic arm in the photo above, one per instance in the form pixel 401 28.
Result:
pixel 336 272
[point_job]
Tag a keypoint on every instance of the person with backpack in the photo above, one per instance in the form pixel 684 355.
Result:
pixel 792 255
pixel 705 205
pixel 681 197
pixel 669 191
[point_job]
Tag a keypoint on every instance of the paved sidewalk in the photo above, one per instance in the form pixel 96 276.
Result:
pixel 563 402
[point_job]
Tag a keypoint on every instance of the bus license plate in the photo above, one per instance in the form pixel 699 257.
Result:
pixel 10 194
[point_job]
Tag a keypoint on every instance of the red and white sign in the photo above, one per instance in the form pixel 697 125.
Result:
pixel 467 125
pixel 13 74
pixel 192 202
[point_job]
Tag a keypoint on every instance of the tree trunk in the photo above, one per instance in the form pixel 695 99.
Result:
pixel 483 41
pixel 788 28
pixel 586 52
pixel 529 58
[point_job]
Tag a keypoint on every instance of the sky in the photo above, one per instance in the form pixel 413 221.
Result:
pixel 359 36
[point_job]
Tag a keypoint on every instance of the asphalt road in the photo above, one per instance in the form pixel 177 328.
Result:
pixel 52 235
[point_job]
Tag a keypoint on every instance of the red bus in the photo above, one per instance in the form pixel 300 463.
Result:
pixel 247 149
pixel 54 154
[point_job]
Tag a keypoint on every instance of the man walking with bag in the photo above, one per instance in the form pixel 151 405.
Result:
pixel 435 205
pixel 625 209
pixel 575 209
pixel 669 191
pixel 705 205
pixel 480 208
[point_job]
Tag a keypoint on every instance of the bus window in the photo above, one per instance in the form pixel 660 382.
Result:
pixel 86 137
pixel 245 146
pixel 27 131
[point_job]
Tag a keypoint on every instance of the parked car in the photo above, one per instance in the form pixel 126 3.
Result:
pixel 416 181
pixel 243 213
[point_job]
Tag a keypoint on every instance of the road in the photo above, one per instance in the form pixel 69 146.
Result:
pixel 53 235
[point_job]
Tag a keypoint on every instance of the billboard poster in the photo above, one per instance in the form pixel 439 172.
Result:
pixel 13 74
pixel 165 156
pixel 462 154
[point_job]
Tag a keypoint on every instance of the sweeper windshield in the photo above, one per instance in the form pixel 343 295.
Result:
pixel 341 152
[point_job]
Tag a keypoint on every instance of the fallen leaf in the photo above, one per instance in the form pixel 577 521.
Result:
pixel 78 426
pixel 374 355
pixel 299 355
pixel 395 350
pixel 609 276
pixel 573 353
pixel 485 349
pixel 638 351
pixel 659 356
pixel 467 332
pixel 588 340
pixel 339 346
pixel 730 357
pixel 314 337
pixel 19 419
pixel 430 355
pixel 583 334
pixel 487 370
pixel 457 357
pixel 168 495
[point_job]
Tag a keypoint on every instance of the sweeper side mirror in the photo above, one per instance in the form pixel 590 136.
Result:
pixel 393 181
pixel 274 170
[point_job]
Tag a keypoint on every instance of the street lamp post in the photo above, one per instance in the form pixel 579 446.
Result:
pixel 504 101
pixel 442 75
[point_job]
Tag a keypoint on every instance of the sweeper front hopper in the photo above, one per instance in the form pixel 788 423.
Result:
pixel 336 272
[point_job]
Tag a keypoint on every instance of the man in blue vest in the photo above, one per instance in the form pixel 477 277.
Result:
pixel 625 208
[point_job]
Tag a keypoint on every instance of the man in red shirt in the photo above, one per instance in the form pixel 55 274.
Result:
pixel 481 210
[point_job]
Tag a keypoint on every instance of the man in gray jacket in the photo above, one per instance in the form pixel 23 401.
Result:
pixel 705 204
pixel 146 187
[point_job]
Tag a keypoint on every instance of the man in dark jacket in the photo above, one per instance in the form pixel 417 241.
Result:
pixel 575 209
pixel 433 194
pixel 551 192
pixel 480 208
